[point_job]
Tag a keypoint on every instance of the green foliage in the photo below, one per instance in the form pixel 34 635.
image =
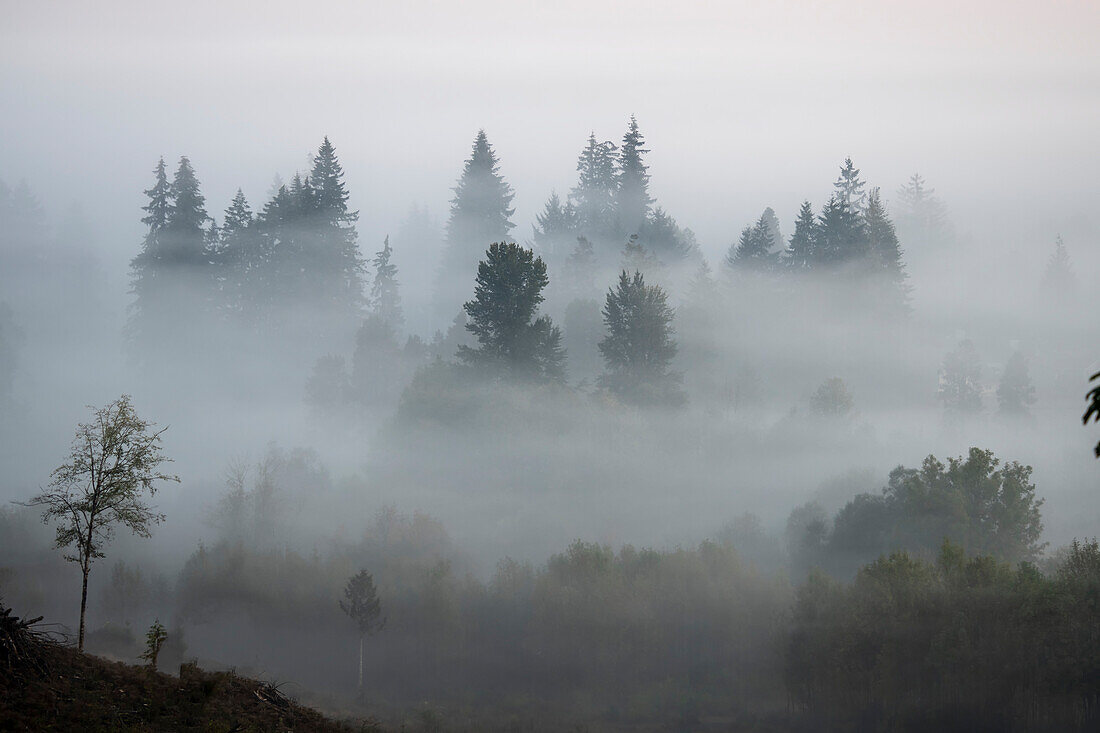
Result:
pixel 632 195
pixel 385 300
pixel 1093 409
pixel 115 460
pixel 362 605
pixel 154 640
pixel 638 349
pixel 915 646
pixel 503 312
pixel 753 252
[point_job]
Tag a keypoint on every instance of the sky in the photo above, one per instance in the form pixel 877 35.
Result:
pixel 744 105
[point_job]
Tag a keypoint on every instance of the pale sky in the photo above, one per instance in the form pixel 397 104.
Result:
pixel 744 105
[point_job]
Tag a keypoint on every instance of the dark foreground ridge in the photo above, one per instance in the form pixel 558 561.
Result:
pixel 45 685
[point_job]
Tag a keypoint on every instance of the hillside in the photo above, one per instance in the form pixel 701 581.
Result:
pixel 45 685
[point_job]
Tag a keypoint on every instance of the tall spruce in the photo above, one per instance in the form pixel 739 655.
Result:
pixel 802 253
pixel 632 199
pixel 923 217
pixel 1016 392
pixel 884 250
pixel 841 238
pixel 594 196
pixel 849 187
pixel 481 213
pixel 555 228
pixel 512 337
pixel 754 252
pixel 1058 278
pixel 184 240
pixel 385 300
pixel 638 349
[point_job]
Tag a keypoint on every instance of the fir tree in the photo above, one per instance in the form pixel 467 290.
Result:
pixel 635 256
pixel 481 213
pixel 884 249
pixel 841 238
pixel 184 238
pixel 594 196
pixel 556 228
pixel 581 268
pixel 1058 278
pixel 503 317
pixel 849 187
pixel 772 221
pixel 923 215
pixel 960 387
pixel 802 254
pixel 632 198
pixel 385 300
pixel 664 239
pixel 145 266
pixel 753 252
pixel 1016 393
pixel 638 349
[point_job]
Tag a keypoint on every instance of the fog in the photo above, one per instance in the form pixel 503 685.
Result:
pixel 318 431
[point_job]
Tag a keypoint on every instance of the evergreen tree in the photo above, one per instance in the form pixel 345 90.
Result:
pixel 145 266
pixel 503 316
pixel 1058 278
pixel 753 252
pixel 883 248
pixel 385 300
pixel 849 187
pixel 841 237
pixel 632 198
pixel 802 254
pixel 594 196
pixel 184 240
pixel 923 216
pixel 772 221
pixel 638 349
pixel 556 228
pixel 960 387
pixel 635 256
pixel 480 214
pixel 581 268
pixel 665 239
pixel 1016 393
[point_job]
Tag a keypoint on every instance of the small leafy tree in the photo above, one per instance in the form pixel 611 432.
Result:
pixel 961 380
pixel 154 640
pixel 832 399
pixel 115 460
pixel 1093 410
pixel 1016 393
pixel 362 605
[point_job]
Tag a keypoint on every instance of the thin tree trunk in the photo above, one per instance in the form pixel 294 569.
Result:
pixel 83 607
pixel 360 686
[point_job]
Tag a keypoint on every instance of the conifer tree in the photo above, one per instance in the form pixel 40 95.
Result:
pixel 884 249
pixel 594 196
pixel 753 252
pixel 145 266
pixel 503 317
pixel 960 387
pixel 581 268
pixel 556 228
pixel 638 349
pixel 772 221
pixel 1016 393
pixel 185 242
pixel 849 187
pixel 923 216
pixel 841 238
pixel 481 213
pixel 385 300
pixel 665 239
pixel 1058 278
pixel 632 198
pixel 635 256
pixel 801 254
